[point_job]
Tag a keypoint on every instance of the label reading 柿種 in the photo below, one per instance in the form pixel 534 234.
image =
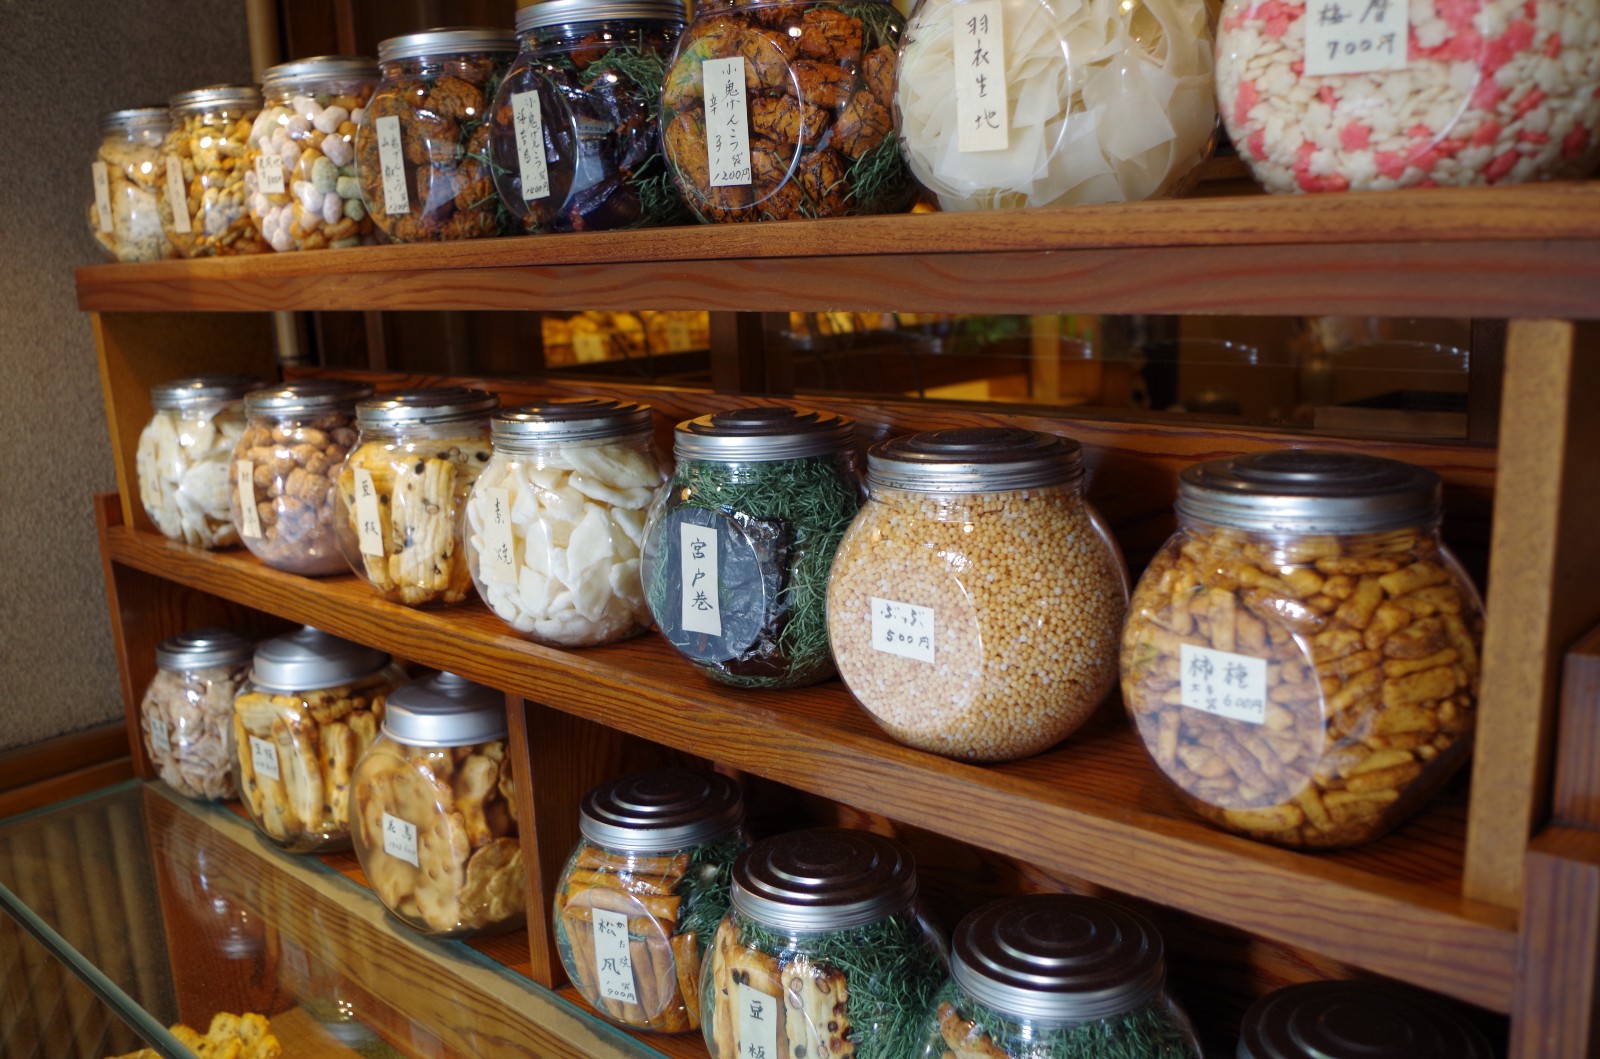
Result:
pixel 499 553
pixel 160 738
pixel 269 173
pixel 903 629
pixel 1356 36
pixel 102 196
pixel 249 516
pixel 529 122
pixel 369 519
pixel 613 960
pixel 264 757
pixel 392 161
pixel 758 1023
pixel 1223 683
pixel 727 122
pixel 178 196
pixel 400 839
pixel 697 556
pixel 979 33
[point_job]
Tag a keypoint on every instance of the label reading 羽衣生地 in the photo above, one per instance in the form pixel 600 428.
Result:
pixel 264 757
pixel 529 122
pixel 269 173
pixel 613 960
pixel 400 839
pixel 102 196
pixel 1356 36
pixel 903 629
pixel 392 161
pixel 758 1022
pixel 979 32
pixel 249 516
pixel 697 559
pixel 499 553
pixel 160 738
pixel 369 520
pixel 178 196
pixel 727 122
pixel 1223 683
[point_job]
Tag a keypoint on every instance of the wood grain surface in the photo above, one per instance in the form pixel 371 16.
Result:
pixel 1558 993
pixel 1577 780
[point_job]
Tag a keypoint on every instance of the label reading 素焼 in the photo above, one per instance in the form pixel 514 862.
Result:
pixel 1223 683
pixel 979 32
pixel 499 555
pixel 369 521
pixel 400 839
pixel 903 629
pixel 249 516
pixel 531 167
pixel 1356 36
pixel 727 122
pixel 392 161
pixel 613 960
pixel 264 757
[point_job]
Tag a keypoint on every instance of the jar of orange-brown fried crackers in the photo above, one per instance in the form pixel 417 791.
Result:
pixel 1301 658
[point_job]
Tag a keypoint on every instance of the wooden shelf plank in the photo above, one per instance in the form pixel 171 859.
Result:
pixel 1394 908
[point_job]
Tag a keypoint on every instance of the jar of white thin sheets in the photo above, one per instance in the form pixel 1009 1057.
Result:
pixel 1006 103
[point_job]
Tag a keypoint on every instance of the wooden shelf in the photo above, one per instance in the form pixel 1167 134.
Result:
pixel 1394 908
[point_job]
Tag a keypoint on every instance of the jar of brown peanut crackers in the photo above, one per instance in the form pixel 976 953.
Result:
pixel 1301 658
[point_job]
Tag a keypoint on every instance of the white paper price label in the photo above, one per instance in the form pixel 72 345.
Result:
pixel 102 195
pixel 528 119
pixel 903 629
pixel 264 757
pixel 269 174
pixel 759 1014
pixel 1223 683
pixel 499 553
pixel 400 839
pixel 178 196
pixel 1356 36
pixel 160 738
pixel 613 960
pixel 369 519
pixel 697 558
pixel 727 121
pixel 249 517
pixel 979 32
pixel 392 161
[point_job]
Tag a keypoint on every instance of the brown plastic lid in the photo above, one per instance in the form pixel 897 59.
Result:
pixel 1357 1020
pixel 974 460
pixel 663 809
pixel 823 879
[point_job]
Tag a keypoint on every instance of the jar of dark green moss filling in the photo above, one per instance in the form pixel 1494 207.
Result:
pixel 1056 976
pixel 738 547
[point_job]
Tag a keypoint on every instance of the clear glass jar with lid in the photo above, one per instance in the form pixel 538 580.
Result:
pixel 300 166
pixel 555 522
pixel 403 491
pixel 182 457
pixel 310 709
pixel 205 210
pixel 434 810
pixel 187 711
pixel 422 147
pixel 574 136
pixel 825 950
pixel 644 891
pixel 1057 976
pixel 737 548
pixel 1357 1020
pixel 975 604
pixel 129 175
pixel 282 480
pixel 1301 657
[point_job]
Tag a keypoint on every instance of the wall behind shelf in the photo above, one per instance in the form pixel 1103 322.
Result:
pixel 70 62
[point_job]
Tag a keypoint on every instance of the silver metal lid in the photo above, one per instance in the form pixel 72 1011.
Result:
pixel 778 433
pixel 557 12
pixel 443 405
pixel 202 389
pixel 974 460
pixel 329 67
pixel 448 41
pixel 444 710
pixel 1357 1020
pixel 199 648
pixel 134 117
pixel 311 658
pixel 663 809
pixel 1058 957
pixel 1308 491
pixel 823 879
pixel 315 395
pixel 247 97
pixel 570 419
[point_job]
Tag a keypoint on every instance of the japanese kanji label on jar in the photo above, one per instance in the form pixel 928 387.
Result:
pixel 1223 683
pixel 369 521
pixel 160 739
pixel 249 516
pixel 613 962
pixel 178 196
pixel 400 839
pixel 727 122
pixel 498 557
pixel 697 555
pixel 269 173
pixel 264 757
pixel 531 168
pixel 392 160
pixel 1356 36
pixel 102 195
pixel 903 629
pixel 980 68
pixel 758 1023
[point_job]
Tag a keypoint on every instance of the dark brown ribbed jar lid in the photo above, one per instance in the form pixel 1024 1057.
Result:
pixel 823 879
pixel 1309 491
pixel 776 433
pixel 1356 1020
pixel 974 460
pixel 660 810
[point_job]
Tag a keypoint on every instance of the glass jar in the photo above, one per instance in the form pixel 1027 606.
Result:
pixel 403 490
pixel 824 950
pixel 300 163
pixel 187 711
pixel 645 889
pixel 281 481
pixel 975 603
pixel 574 136
pixel 435 810
pixel 129 177
pixel 182 457
pixel 1322 97
pixel 555 522
pixel 310 709
pixel 798 121
pixel 1301 657
pixel 1357 1020
pixel 737 549
pixel 205 211
pixel 422 147
pixel 1099 101
pixel 1055 976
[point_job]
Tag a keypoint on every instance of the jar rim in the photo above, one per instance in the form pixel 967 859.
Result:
pixel 211 96
pixel 134 117
pixel 974 460
pixel 570 419
pixel 764 433
pixel 558 12
pixel 443 404
pixel 313 395
pixel 201 389
pixel 448 40
pixel 1304 491
pixel 319 66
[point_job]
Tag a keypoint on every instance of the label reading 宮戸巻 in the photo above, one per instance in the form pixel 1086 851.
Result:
pixel 264 757
pixel 727 122
pixel 498 556
pixel 613 960
pixel 369 521
pixel 1223 683
pixel 903 629
pixel 529 123
pixel 980 70
pixel 697 556
pixel 392 161
pixel 249 516
pixel 1356 36
pixel 400 839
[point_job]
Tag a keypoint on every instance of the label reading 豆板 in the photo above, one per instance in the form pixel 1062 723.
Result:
pixel 697 557
pixel 400 839
pixel 249 517
pixel 758 1023
pixel 1223 683
pixel 264 757
pixel 980 70
pixel 1356 36
pixel 178 196
pixel 102 196
pixel 160 738
pixel 613 960
pixel 369 520
pixel 727 122
pixel 392 161
pixel 528 119
pixel 903 629
pixel 269 173
pixel 499 556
